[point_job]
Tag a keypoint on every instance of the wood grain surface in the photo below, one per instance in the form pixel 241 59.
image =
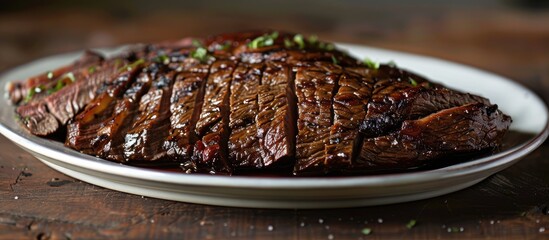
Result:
pixel 37 202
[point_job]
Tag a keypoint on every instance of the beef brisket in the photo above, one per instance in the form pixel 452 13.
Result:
pixel 256 101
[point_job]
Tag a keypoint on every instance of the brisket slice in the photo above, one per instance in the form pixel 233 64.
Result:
pixel 458 130
pixel 277 117
pixel 387 113
pixel 211 151
pixel 348 105
pixel 110 137
pixel 244 147
pixel 314 87
pixel 82 132
pixel 44 116
pixel 143 141
pixel 19 91
pixel 186 103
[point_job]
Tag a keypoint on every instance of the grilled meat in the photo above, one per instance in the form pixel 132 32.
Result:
pixel 255 101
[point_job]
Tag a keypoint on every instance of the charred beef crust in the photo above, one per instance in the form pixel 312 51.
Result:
pixel 258 101
pixel 186 102
pixel 456 130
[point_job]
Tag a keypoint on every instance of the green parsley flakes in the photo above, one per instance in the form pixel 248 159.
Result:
pixel 288 43
pixel 298 39
pixel 334 60
pixel 313 39
pixel 197 43
pixel 223 47
pixel 91 69
pixel 60 84
pixel 412 81
pixel 263 41
pixel 411 224
pixel 200 54
pixel 371 64
pixel 162 59
pixel 366 231
pixel 33 91
pixel 129 67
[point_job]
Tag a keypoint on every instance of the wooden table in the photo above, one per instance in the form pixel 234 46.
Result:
pixel 38 202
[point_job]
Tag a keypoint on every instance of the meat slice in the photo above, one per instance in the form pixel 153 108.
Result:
pixel 349 110
pixel 210 152
pixel 109 142
pixel 82 132
pixel 26 90
pixel 44 116
pixel 143 141
pixel 314 86
pixel 244 148
pixel 458 130
pixel 277 117
pixel 186 103
pixel 387 114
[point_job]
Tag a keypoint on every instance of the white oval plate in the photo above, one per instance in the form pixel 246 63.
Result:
pixel 529 115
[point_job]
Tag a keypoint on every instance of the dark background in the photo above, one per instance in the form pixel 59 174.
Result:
pixel 509 38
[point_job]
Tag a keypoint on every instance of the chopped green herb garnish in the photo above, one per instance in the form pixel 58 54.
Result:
pixel 298 39
pixel 60 84
pixel 197 43
pixel 313 39
pixel 366 231
pixel 288 43
pixel 224 46
pixel 412 81
pixel 263 41
pixel 200 54
pixel 330 46
pixel 129 67
pixel 29 96
pixel 371 64
pixel 322 45
pixel 392 64
pixel 91 69
pixel 33 91
pixel 70 76
pixel 162 59
pixel 411 224
pixel 49 74
pixel 334 60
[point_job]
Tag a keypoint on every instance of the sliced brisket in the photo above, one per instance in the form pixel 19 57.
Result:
pixel 143 141
pixel 255 101
pixel 211 151
pixel 65 103
pixel 186 103
pixel 244 147
pixel 314 87
pixel 457 130
pixel 277 117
